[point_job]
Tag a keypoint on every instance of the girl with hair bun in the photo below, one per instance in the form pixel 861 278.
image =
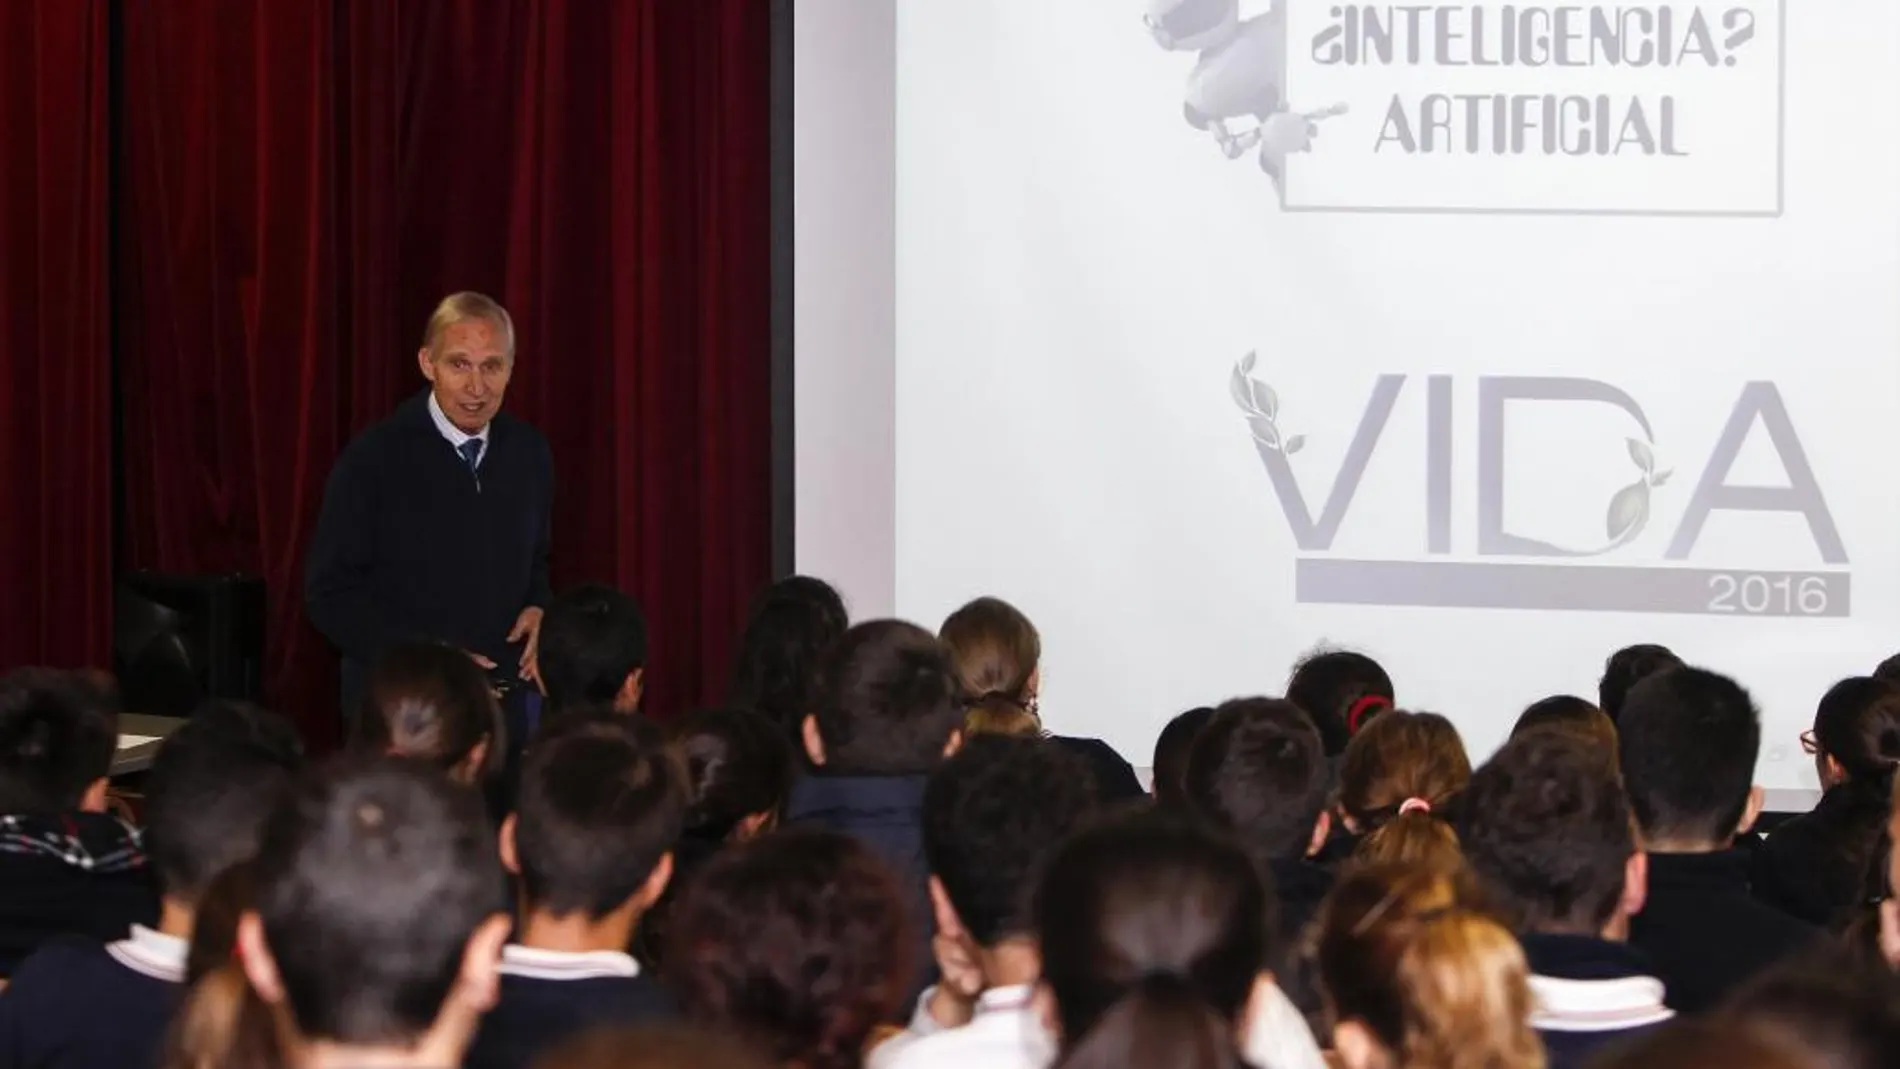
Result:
pixel 1415 977
pixel 1816 865
pixel 997 654
pixel 1397 777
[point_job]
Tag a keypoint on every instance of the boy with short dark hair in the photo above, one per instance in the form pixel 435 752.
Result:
pixel 592 651
pixel 992 813
pixel 1259 771
pixel 210 788
pixel 887 709
pixel 591 844
pixel 1688 740
pixel 378 923
pixel 1546 828
pixel 67 867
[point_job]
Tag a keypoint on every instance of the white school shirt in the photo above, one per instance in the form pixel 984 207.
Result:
pixel 1006 1032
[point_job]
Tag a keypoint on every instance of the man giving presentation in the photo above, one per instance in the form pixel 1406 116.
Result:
pixel 435 521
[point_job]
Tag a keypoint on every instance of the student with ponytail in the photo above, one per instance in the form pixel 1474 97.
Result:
pixel 1156 937
pixel 1814 866
pixel 1417 978
pixel 998 658
pixel 1397 777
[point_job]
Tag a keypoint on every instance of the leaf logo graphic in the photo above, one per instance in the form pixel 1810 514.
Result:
pixel 1261 407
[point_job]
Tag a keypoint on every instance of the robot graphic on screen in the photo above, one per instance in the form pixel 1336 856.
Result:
pixel 1239 74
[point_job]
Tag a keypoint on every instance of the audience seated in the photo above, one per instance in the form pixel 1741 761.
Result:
pixel 1626 668
pixel 378 927
pixel 882 809
pixel 1815 865
pixel 654 1047
pixel 1688 740
pixel 887 709
pixel 591 843
pixel 1398 775
pixel 998 656
pixel 1258 772
pixel 592 652
pixel 796 942
pixel 429 701
pixel 1157 938
pixel 1546 829
pixel 738 772
pixel 210 788
pixel 791 625
pixel 1418 977
pixel 67 867
pixel 1171 756
pixel 1342 691
pixel 992 815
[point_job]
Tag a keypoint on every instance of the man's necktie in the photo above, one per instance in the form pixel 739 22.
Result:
pixel 471 451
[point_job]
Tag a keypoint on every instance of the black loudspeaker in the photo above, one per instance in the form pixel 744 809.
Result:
pixel 179 639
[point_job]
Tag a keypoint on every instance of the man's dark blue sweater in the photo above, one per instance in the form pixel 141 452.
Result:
pixel 1705 931
pixel 78 1004
pixel 548 997
pixel 886 813
pixel 413 544
pixel 1591 994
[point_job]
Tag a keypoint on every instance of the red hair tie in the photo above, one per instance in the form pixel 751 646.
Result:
pixel 1363 706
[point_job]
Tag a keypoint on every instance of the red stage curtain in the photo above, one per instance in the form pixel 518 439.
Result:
pixel 303 179
pixel 55 399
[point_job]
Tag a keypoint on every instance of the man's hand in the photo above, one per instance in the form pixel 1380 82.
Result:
pixel 528 626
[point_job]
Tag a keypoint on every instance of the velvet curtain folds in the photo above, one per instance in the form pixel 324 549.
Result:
pixel 292 186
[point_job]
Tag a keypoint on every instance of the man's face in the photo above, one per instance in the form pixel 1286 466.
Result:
pixel 469 367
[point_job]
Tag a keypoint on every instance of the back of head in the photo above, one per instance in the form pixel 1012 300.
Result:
pixel 1171 754
pixel 791 625
pixel 1341 691
pixel 1626 668
pixel 601 802
pixel 1687 741
pixel 887 701
pixel 1545 827
pixel 653 1047
pixel 371 879
pixel 1858 725
pixel 1410 963
pixel 1154 934
pixel 428 701
pixel 211 786
pixel 796 941
pixel 593 638
pixel 1400 762
pixel 995 650
pixel 1710 1043
pixel 1570 715
pixel 1258 771
pixel 738 765
pixel 993 813
pixel 1839 1008
pixel 58 731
